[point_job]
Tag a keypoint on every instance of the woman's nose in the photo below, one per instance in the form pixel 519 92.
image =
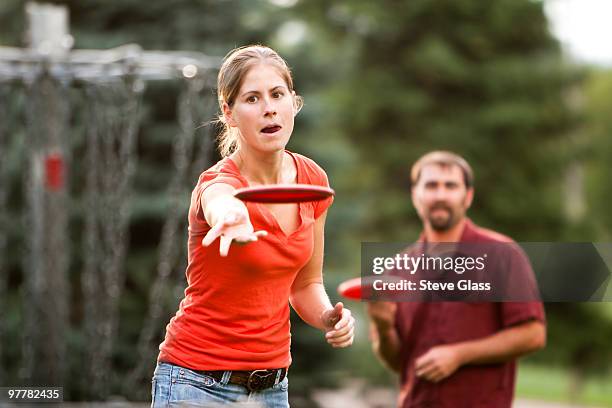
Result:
pixel 269 107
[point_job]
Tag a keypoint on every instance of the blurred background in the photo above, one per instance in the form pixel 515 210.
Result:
pixel 98 158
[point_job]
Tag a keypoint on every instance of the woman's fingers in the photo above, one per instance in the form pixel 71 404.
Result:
pixel 231 234
pixel 345 319
pixel 219 228
pixel 261 233
pixel 345 344
pixel 341 337
pixel 331 317
pixel 233 227
pixel 212 234
pixel 343 334
pixel 224 245
pixel 341 329
pixel 342 341
pixel 245 239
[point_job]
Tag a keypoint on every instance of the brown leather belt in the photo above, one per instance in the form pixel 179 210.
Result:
pixel 255 380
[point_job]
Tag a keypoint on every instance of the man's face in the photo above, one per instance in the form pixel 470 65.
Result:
pixel 441 197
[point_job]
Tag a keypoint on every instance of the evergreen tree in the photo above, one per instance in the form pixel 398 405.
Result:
pixel 484 79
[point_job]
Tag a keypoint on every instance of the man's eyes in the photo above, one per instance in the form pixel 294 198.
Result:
pixel 450 186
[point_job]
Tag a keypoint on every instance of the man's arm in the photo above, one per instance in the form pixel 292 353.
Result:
pixel 505 345
pixel 385 339
pixel 442 361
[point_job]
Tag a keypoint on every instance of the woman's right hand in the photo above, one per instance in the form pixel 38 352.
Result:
pixel 234 225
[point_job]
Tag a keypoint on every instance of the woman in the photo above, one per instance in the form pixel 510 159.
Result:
pixel 229 341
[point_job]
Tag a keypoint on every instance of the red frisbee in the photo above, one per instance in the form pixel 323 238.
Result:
pixel 284 193
pixel 350 289
pixel 363 288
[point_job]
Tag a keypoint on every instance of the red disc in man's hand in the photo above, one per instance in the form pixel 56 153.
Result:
pixel 350 289
pixel 371 288
pixel 284 193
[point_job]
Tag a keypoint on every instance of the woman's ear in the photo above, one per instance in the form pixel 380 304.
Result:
pixel 227 114
pixel 297 103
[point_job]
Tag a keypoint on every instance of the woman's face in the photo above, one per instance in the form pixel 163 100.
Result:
pixel 263 110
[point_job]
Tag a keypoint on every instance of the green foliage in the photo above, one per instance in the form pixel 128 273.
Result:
pixel 579 337
pixel 552 383
pixel 597 131
pixel 484 79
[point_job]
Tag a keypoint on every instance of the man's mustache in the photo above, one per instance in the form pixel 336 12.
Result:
pixel 440 206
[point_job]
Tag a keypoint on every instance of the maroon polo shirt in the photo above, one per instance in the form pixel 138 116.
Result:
pixel 422 326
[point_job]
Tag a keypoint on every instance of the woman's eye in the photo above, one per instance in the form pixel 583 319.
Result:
pixel 251 99
pixel 277 95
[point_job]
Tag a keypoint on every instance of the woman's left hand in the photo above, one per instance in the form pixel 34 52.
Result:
pixel 339 326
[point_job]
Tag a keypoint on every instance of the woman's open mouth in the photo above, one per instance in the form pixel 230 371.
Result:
pixel 271 129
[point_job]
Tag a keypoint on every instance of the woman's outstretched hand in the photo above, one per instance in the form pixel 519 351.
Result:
pixel 234 226
pixel 339 326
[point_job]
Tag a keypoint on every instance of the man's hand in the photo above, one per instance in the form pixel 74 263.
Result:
pixel 235 226
pixel 438 363
pixel 385 338
pixel 382 314
pixel 339 326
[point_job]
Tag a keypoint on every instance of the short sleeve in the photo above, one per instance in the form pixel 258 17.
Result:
pixel 520 285
pixel 323 205
pixel 217 174
pixel 514 313
pixel 311 173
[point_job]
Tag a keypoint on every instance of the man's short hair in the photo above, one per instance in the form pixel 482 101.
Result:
pixel 445 159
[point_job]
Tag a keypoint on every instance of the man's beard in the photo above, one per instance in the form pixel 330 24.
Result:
pixel 442 224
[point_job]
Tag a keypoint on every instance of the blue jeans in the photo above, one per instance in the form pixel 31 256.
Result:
pixel 175 386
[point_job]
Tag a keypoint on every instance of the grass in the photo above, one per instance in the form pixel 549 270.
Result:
pixel 552 384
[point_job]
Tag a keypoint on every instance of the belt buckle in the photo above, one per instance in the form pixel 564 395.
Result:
pixel 256 380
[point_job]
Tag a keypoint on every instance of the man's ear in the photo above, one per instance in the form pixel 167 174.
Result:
pixel 228 115
pixel 413 196
pixel 469 197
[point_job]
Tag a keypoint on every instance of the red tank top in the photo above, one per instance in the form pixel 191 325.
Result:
pixel 235 313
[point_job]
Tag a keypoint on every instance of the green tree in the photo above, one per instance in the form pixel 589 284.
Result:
pixel 484 79
pixel 597 131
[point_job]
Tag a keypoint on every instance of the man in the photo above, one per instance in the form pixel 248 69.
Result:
pixel 453 354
